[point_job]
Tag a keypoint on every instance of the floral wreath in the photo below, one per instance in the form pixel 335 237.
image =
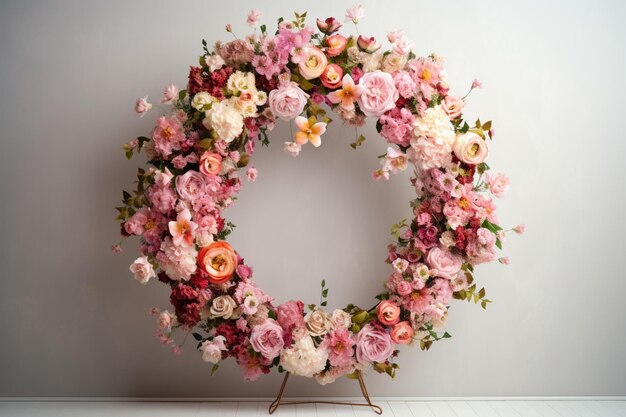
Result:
pixel 199 147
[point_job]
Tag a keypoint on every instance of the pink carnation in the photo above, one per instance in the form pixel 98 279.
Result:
pixel 397 126
pixel 498 183
pixel 167 135
pixel 339 344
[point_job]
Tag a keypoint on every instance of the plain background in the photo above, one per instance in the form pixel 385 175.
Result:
pixel 75 323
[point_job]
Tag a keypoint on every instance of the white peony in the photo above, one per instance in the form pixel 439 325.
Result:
pixel 214 62
pixel 434 139
pixel 303 358
pixel 224 118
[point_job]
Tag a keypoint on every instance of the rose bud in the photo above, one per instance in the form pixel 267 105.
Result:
pixel 335 45
pixel 331 77
pixel 368 44
pixel 329 26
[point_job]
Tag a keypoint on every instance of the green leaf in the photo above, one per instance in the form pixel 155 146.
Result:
pixel 325 293
pixel 486 126
pixel 491 226
pixel 214 369
pixel 482 167
pixel 323 283
pixel 182 94
pixel 263 29
pixel 197 336
pixel 358 142
pixel 498 244
pixel 324 303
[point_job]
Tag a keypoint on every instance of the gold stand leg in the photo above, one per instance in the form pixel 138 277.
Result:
pixel 278 401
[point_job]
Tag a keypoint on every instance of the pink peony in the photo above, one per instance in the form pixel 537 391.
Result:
pixel 339 344
pixel 373 344
pixel 498 183
pixel 162 198
pixel 287 101
pixel 267 339
pixel 290 315
pixel 379 93
pixel 445 262
pixel 397 126
pixel 190 185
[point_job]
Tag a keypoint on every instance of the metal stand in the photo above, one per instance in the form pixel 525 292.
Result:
pixel 278 401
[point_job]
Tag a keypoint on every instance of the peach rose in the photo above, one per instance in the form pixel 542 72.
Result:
pixel 453 106
pixel 388 313
pixel 470 148
pixel 210 163
pixel 313 63
pixel 335 45
pixel 402 333
pixel 219 261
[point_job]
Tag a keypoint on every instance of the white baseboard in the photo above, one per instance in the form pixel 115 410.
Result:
pixel 269 399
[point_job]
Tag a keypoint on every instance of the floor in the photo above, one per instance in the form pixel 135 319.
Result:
pixel 472 408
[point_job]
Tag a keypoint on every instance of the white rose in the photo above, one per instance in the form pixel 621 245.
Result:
pixel 142 269
pixel 202 100
pixel 317 322
pixel 222 306
pixel 447 239
pixel 224 118
pixel 340 319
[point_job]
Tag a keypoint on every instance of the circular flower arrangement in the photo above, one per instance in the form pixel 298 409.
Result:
pixel 199 147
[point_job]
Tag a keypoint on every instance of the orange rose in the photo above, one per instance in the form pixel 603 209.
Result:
pixel 219 261
pixel 402 333
pixel 388 313
pixel 210 163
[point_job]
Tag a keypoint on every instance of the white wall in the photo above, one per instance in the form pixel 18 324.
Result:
pixel 73 321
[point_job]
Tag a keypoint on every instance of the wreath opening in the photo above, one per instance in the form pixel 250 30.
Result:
pixel 200 150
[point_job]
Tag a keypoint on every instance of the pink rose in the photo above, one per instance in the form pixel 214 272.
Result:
pixel 445 262
pixel 135 225
pixel 470 148
pixel 404 83
pixel 312 63
pixel 267 339
pixel 404 288
pixel 498 183
pixel 402 333
pixel 142 269
pixel 388 313
pixel 210 163
pixel 287 101
pixel 373 344
pixel 190 185
pixel 453 106
pixel 379 93
pixel 142 106
pixel 335 45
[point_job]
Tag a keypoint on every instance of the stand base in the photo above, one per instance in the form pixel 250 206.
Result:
pixel 278 401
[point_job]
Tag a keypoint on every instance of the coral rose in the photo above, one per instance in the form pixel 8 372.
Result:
pixel 210 163
pixel 470 148
pixel 331 77
pixel 335 45
pixel 402 333
pixel 219 261
pixel 388 313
